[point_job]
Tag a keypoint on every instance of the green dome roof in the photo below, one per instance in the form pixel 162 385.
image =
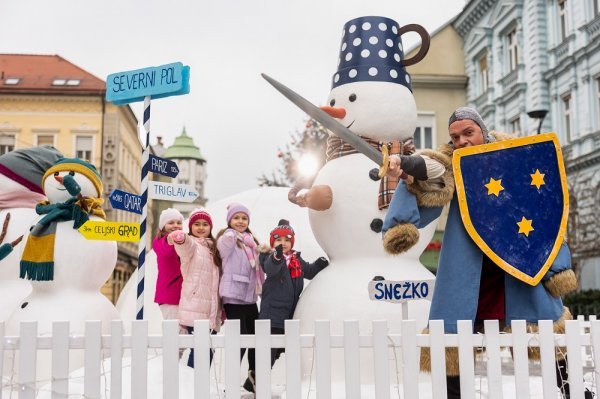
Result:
pixel 184 148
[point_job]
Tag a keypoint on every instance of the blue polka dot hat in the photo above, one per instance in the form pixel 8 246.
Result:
pixel 371 50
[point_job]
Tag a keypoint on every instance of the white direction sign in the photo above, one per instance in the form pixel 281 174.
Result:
pixel 400 291
pixel 172 192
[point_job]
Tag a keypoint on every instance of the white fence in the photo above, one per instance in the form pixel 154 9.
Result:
pixel 582 342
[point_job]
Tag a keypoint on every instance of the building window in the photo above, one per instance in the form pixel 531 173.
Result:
pixel 423 137
pixel 567 115
pixel 7 143
pixel 596 6
pixel 45 139
pixel 83 148
pixel 513 49
pixel 483 73
pixel 515 125
pixel 562 19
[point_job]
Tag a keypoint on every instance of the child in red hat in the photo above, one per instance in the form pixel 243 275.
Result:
pixel 286 271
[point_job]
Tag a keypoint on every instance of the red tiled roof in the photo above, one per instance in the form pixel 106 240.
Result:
pixel 36 74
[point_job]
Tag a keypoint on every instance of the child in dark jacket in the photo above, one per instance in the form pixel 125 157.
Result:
pixel 285 270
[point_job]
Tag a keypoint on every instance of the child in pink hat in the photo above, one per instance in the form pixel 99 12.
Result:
pixel 242 278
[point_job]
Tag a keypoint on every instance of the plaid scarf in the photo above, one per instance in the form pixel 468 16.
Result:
pixel 37 262
pixel 337 148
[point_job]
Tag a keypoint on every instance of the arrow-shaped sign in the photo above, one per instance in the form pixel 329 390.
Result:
pixel 172 192
pixel 164 167
pixel 110 231
pixel 157 82
pixel 125 201
pixel 400 291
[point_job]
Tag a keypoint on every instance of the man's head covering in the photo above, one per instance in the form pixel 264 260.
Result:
pixel 463 113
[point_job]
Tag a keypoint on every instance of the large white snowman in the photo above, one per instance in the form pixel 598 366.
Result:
pixel 66 281
pixel 21 174
pixel 371 95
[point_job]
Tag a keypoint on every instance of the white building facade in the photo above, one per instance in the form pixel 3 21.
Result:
pixel 524 57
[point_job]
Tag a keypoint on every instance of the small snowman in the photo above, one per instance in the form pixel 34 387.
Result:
pixel 66 270
pixel 371 95
pixel 21 173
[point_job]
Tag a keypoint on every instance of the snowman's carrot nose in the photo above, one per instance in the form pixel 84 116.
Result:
pixel 339 113
pixel 59 179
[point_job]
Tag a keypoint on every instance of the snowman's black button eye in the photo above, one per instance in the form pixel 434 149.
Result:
pixel 71 173
pixel 55 173
pixel 352 97
pixel 332 102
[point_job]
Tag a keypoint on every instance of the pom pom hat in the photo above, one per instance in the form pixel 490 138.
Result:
pixel 27 166
pixel 168 215
pixel 234 208
pixel 283 229
pixel 79 166
pixel 199 214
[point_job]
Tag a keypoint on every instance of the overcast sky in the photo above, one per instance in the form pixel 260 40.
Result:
pixel 234 116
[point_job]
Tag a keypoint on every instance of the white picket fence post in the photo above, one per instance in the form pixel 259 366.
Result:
pixel 580 341
pixel 293 372
pixel 352 359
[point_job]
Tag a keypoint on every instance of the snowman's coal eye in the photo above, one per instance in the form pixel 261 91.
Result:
pixel 55 173
pixel 332 102
pixel 352 97
pixel 71 173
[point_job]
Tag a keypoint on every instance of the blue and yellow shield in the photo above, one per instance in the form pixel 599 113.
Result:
pixel 514 202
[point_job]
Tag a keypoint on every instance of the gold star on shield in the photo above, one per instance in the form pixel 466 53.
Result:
pixel 494 187
pixel 537 179
pixel 525 226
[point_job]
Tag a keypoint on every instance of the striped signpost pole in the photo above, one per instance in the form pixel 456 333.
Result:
pixel 146 84
pixel 141 268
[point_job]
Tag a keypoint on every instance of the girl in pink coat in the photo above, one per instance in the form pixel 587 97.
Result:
pixel 168 282
pixel 200 265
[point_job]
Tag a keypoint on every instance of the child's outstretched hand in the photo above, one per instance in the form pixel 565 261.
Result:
pixel 279 252
pixel 322 262
pixel 177 237
pixel 264 248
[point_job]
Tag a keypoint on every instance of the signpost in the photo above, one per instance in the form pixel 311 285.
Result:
pixel 110 231
pixel 172 192
pixel 154 82
pixel 125 201
pixel 137 85
pixel 164 167
pixel 400 292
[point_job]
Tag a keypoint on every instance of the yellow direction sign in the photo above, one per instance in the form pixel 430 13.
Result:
pixel 110 231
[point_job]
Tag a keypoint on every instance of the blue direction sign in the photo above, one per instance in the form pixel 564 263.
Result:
pixel 125 201
pixel 156 82
pixel 164 167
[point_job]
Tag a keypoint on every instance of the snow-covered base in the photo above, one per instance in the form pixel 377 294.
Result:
pixel 186 383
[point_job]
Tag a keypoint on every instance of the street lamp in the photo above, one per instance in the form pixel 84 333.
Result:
pixel 538 114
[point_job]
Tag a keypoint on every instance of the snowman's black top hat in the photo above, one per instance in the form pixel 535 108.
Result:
pixel 371 50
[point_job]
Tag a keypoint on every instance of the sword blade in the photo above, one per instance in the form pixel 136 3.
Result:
pixel 327 121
